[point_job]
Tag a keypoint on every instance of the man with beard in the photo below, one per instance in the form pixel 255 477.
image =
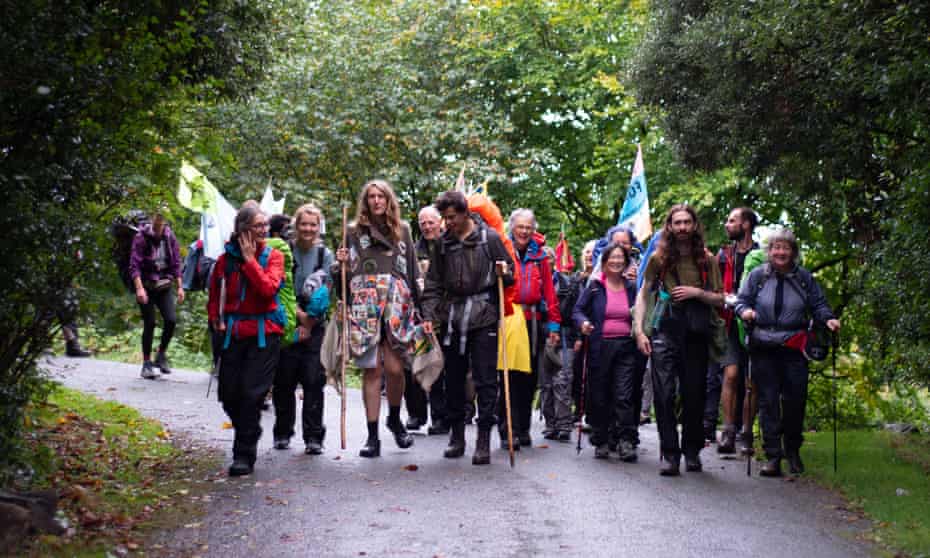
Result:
pixel 679 345
pixel 740 225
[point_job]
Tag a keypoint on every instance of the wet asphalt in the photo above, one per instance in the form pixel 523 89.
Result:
pixel 413 502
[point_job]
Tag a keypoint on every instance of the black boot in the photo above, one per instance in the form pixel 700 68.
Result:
pixel 482 455
pixel 746 443
pixel 456 446
pixel 438 427
pixel 772 468
pixel 693 463
pixel 727 445
pixel 372 448
pixel 240 466
pixel 403 438
pixel 795 464
pixel 670 466
pixel 505 445
pixel 73 349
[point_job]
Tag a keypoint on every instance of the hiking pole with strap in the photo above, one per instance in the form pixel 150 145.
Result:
pixel 506 367
pixel 584 381
pixel 219 359
pixel 345 333
pixel 836 343
pixel 748 418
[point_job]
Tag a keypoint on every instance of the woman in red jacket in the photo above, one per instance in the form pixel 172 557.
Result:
pixel 243 307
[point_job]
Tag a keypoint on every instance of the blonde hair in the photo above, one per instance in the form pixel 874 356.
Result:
pixel 391 214
pixel 307 209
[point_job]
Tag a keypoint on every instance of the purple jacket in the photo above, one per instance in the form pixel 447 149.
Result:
pixel 142 260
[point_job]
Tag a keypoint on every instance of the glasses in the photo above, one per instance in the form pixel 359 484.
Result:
pixel 259 227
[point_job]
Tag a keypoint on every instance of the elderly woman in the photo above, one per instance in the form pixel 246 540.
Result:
pixel 382 289
pixel 603 312
pixel 777 300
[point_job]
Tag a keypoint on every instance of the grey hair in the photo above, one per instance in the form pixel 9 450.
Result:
pixel 245 215
pixel 786 236
pixel 431 209
pixel 522 212
pixel 589 245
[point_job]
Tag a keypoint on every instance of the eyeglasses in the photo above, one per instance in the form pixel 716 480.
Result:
pixel 259 227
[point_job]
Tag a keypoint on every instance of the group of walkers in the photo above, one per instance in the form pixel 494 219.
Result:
pixel 672 329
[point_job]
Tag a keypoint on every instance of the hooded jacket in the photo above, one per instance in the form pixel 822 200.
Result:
pixel 535 286
pixel 142 257
pixel 250 290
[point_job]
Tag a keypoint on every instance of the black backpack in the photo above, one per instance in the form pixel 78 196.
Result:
pixel 197 268
pixel 123 229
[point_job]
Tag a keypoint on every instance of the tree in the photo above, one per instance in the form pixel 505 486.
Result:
pixel 88 92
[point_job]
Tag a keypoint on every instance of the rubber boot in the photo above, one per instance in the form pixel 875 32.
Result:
pixel 482 455
pixel 456 446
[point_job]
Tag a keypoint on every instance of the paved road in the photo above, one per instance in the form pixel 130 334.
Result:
pixel 554 503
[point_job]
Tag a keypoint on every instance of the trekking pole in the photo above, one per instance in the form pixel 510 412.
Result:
pixel 345 334
pixel 747 416
pixel 506 367
pixel 836 343
pixel 219 360
pixel 584 381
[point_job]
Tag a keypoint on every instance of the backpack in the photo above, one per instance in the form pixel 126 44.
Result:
pixel 197 268
pixel 278 316
pixel 123 229
pixel 814 343
pixel 286 298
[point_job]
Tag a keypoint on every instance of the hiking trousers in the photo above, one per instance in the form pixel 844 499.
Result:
pixel 555 391
pixel 481 359
pixel 679 368
pixel 300 364
pixel 165 301
pixel 246 374
pixel 781 377
pixel 613 388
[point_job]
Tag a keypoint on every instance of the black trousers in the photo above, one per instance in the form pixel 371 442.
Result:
pixel 679 368
pixel 416 399
pixel 481 358
pixel 781 377
pixel 246 374
pixel 615 390
pixel 300 364
pixel 165 302
pixel 523 386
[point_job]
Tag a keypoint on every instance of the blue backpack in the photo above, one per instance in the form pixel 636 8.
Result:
pixel 277 316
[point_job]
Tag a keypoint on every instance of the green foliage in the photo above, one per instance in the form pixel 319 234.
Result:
pixel 824 106
pixel 88 92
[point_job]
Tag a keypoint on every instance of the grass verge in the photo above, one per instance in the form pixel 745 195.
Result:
pixel 119 475
pixel 885 475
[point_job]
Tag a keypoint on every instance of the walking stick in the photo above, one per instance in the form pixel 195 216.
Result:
pixel 503 338
pixel 836 342
pixel 747 417
pixel 584 381
pixel 345 334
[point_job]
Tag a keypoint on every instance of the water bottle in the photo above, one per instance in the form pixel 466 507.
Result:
pixel 660 309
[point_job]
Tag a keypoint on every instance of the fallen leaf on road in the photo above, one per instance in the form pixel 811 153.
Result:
pixel 227 425
pixel 411 467
pixel 337 458
pixel 543 446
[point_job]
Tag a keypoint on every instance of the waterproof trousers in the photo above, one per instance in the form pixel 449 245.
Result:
pixel 555 391
pixel 246 374
pixel 300 364
pixel 679 369
pixel 614 390
pixel 480 357
pixel 781 377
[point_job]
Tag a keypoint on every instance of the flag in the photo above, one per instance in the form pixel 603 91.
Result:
pixel 269 205
pixel 481 189
pixel 563 255
pixel 217 216
pixel 635 211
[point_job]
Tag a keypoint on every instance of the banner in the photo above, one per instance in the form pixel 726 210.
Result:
pixel 635 211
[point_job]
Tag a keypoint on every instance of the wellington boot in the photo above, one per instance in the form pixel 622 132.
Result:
pixel 456 447
pixel 482 455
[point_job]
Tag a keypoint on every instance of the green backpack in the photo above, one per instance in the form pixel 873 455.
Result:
pixel 286 296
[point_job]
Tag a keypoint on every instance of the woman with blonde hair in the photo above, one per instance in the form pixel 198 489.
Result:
pixel 382 274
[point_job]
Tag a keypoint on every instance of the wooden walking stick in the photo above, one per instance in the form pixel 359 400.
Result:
pixel 503 338
pixel 345 332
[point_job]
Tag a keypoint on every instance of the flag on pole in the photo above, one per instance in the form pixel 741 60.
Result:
pixel 635 211
pixel 217 216
pixel 269 205
pixel 564 263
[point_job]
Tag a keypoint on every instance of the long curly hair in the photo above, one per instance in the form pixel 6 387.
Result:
pixel 667 250
pixel 392 214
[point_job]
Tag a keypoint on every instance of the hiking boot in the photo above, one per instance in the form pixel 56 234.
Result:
pixel 505 446
pixel 602 452
pixel 727 445
pixel 525 439
pixel 456 447
pixel 627 452
pixel 710 433
pixel 550 434
pixel 372 448
pixel 403 438
pixel 438 427
pixel 161 361
pixel 414 423
pixel 148 370
pixel 313 447
pixel 795 465
pixel 670 466
pixel 693 464
pixel 746 443
pixel 564 436
pixel 482 455
pixel 772 468
pixel 240 467
pixel 282 443
pixel 73 349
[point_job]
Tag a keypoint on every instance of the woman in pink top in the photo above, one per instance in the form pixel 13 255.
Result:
pixel 603 313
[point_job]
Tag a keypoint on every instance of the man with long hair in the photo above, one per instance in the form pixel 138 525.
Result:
pixel 679 343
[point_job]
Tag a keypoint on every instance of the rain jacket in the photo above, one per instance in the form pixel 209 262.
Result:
pixel 535 287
